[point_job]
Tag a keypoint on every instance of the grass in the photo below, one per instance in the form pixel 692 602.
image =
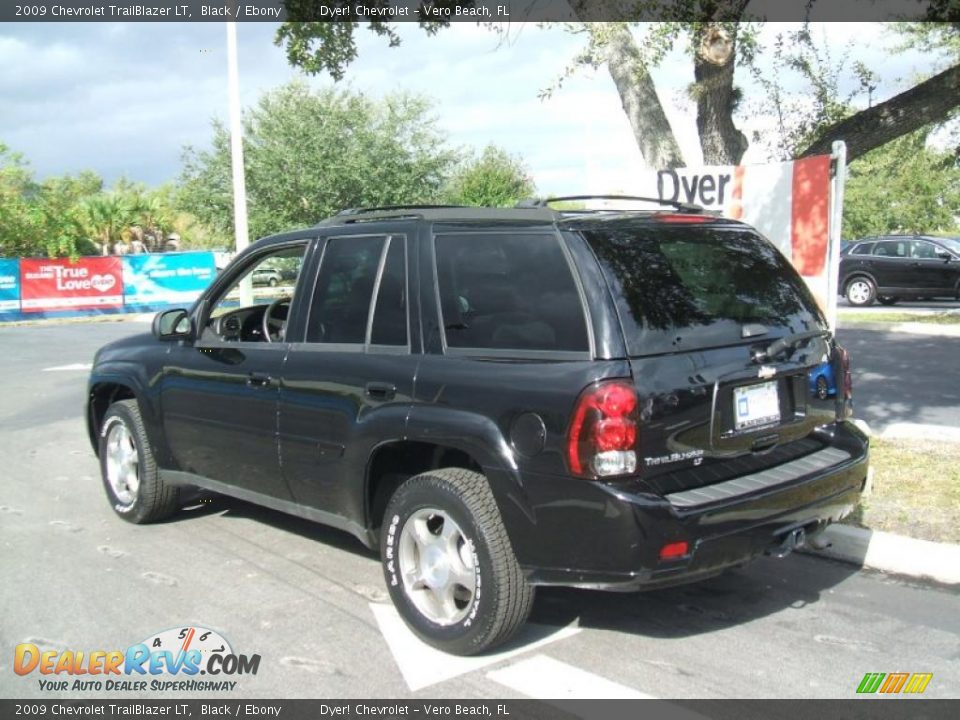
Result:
pixel 895 317
pixel 916 490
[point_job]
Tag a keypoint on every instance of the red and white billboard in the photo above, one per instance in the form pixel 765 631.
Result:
pixel 88 284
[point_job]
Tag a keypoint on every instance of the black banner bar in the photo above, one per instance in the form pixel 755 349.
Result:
pixel 874 708
pixel 447 11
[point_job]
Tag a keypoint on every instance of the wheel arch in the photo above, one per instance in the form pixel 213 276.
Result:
pixel 467 440
pixel 105 390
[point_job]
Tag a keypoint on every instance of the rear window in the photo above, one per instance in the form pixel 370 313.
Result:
pixel 683 288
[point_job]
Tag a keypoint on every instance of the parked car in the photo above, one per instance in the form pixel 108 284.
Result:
pixel 499 399
pixel 823 383
pixel 890 268
pixel 267 276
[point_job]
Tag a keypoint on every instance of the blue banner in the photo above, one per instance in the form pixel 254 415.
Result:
pixel 167 278
pixel 9 286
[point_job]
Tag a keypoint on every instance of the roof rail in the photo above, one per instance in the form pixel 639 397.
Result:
pixel 386 208
pixel 545 202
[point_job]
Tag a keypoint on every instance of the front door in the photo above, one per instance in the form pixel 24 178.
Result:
pixel 219 394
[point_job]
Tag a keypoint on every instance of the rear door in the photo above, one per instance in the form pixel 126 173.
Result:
pixel 892 266
pixel 700 306
pixel 348 378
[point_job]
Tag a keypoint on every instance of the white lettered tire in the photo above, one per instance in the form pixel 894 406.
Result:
pixel 448 563
pixel 130 475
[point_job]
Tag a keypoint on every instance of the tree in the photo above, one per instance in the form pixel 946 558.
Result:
pixel 20 224
pixel 719 39
pixel 310 154
pixel 903 187
pixel 494 179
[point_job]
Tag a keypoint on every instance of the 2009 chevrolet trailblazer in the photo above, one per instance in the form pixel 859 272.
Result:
pixel 501 399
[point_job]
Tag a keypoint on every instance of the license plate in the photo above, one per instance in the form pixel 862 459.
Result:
pixel 756 405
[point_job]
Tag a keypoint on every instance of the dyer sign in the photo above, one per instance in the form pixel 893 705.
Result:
pixel 88 284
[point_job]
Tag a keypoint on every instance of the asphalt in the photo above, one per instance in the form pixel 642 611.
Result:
pixel 312 603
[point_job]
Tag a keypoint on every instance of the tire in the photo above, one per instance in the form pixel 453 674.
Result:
pixel 274 282
pixel 142 497
pixel 861 291
pixel 888 300
pixel 455 511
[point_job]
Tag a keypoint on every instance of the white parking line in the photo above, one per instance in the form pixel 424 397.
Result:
pixel 422 665
pixel 74 366
pixel 544 678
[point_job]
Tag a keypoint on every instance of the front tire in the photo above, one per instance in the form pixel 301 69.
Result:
pixel 448 563
pixel 128 468
pixel 861 292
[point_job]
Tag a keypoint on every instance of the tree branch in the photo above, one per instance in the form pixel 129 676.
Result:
pixel 929 102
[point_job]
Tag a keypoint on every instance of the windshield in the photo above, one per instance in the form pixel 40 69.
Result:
pixel 952 244
pixel 683 288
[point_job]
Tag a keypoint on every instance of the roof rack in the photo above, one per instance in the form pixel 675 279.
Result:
pixel 387 208
pixel 545 202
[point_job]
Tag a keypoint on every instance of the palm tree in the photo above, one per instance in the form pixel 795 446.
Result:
pixel 107 219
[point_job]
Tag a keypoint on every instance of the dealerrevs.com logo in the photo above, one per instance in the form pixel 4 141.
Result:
pixel 171 660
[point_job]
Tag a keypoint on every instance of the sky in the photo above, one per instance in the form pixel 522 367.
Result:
pixel 124 99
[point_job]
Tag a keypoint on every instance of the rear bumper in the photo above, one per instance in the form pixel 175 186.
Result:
pixel 608 536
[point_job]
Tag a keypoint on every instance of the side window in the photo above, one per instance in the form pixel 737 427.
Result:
pixel 924 250
pixel 863 249
pixel 390 314
pixel 510 292
pixel 891 248
pixel 341 301
pixel 255 307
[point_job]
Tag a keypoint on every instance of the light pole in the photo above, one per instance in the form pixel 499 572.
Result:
pixel 241 230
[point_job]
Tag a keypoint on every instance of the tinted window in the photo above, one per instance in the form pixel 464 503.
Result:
pixel 509 291
pixel 892 248
pixel 924 250
pixel 390 316
pixel 862 249
pixel 341 302
pixel 679 289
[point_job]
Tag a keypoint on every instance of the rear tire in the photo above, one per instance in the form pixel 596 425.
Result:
pixel 129 471
pixel 861 292
pixel 448 563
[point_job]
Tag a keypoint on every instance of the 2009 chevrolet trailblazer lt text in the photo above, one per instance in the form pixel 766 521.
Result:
pixel 499 398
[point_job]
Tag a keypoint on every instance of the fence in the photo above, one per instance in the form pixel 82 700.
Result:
pixel 36 287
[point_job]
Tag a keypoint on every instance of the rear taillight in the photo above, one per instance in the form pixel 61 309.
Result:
pixel 846 381
pixel 603 431
pixel 845 385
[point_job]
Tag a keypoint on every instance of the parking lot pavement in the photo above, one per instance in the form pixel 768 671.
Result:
pixel 311 601
pixel 903 378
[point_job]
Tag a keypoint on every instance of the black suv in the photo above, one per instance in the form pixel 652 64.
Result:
pixel 499 399
pixel 900 267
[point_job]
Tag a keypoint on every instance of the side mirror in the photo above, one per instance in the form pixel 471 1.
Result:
pixel 944 255
pixel 172 324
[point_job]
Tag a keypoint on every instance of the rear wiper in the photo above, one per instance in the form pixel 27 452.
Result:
pixel 781 344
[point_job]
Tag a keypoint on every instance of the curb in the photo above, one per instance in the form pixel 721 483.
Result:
pixel 909 328
pixel 894 554
pixel 80 320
